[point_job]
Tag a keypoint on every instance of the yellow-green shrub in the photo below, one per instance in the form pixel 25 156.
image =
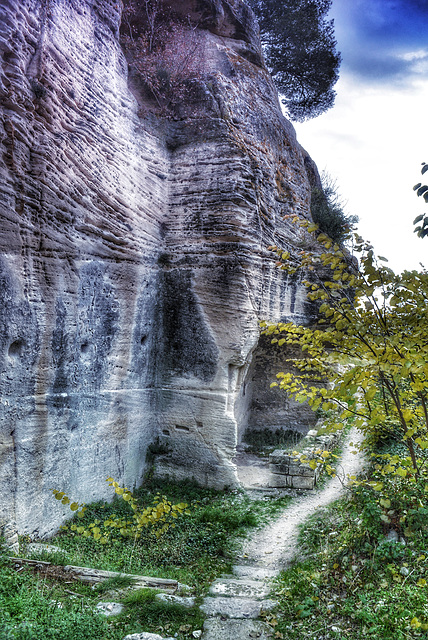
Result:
pixel 158 516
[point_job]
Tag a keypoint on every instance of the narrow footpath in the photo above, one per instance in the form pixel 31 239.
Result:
pixel 235 602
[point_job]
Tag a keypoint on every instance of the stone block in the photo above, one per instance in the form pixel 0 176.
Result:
pixel 281 457
pixel 254 573
pixel 9 532
pixel 301 482
pixel 292 470
pixel 242 588
pixel 279 481
pixel 145 635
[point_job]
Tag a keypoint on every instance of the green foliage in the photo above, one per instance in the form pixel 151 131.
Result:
pixel 300 49
pixel 421 220
pixel 327 210
pixel 367 358
pixel 195 552
pixel 231 520
pixel 159 516
pixel 58 558
pixel 198 550
pixel 352 581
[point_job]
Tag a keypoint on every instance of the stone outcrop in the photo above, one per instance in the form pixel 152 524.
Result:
pixel 134 266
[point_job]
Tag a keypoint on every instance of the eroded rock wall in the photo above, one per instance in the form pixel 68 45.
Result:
pixel 134 265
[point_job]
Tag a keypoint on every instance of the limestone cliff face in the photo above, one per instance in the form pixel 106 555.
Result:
pixel 134 266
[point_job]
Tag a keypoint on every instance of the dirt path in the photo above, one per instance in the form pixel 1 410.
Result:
pixel 274 546
pixel 234 603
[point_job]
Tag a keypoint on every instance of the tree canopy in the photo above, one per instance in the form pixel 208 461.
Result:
pixel 300 50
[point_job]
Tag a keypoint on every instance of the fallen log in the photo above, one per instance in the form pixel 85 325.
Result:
pixel 94 576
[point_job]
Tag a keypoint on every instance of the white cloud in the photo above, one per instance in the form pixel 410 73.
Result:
pixel 418 61
pixel 373 142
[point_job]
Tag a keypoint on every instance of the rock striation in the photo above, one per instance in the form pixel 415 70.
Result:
pixel 133 254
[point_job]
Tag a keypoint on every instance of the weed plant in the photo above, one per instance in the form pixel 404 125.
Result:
pixel 58 558
pixel 32 609
pixel 145 611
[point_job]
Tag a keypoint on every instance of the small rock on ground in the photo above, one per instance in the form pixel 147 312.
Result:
pixel 110 608
pixel 183 601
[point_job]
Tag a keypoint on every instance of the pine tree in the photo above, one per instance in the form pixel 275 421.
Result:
pixel 300 49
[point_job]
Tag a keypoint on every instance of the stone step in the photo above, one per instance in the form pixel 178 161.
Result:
pixel 216 629
pixel 239 588
pixel 233 607
pixel 253 572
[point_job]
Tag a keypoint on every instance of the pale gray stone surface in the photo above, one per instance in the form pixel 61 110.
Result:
pixel 295 482
pixel 216 629
pixel 133 256
pixel 184 601
pixel 245 588
pixel 146 636
pixel 254 572
pixel 236 607
pixel 9 531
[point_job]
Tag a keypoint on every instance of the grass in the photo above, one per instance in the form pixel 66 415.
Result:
pixel 33 609
pixel 58 558
pixel 201 547
pixel 351 580
pixel 145 611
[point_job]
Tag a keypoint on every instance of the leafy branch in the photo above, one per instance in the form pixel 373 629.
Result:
pixel 159 516
pixel 367 356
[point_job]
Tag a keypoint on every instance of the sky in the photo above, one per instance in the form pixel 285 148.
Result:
pixel 375 138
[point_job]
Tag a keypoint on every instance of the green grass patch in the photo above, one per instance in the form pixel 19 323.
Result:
pixel 33 609
pixel 145 611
